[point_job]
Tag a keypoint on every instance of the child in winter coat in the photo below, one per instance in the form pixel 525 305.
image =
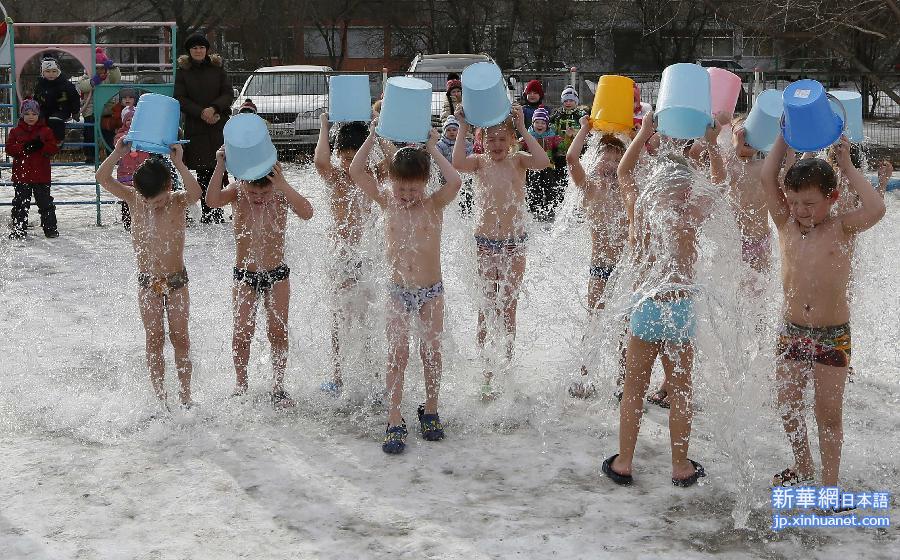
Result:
pixel 112 122
pixel 532 99
pixel 31 144
pixel 57 97
pixel 454 99
pixel 106 73
pixel 545 187
pixel 445 146
pixel 128 164
pixel 566 119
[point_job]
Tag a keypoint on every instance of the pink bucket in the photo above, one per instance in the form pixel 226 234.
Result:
pixel 725 88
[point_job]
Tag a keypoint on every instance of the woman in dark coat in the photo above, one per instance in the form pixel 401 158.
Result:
pixel 205 94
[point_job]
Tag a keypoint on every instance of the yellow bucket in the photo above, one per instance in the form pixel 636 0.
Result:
pixel 613 109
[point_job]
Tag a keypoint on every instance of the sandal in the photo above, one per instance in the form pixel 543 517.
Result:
pixel 699 472
pixel 395 439
pixel 432 429
pixel 658 398
pixel 281 400
pixel 789 477
pixel 620 479
pixel 581 390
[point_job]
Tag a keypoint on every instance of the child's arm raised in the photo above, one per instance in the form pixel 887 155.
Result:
pixel 104 173
pixel 771 170
pixel 716 163
pixel 537 159
pixel 191 186
pixel 461 161
pixel 322 155
pixel 573 156
pixel 359 169
pixel 216 196
pixel 872 207
pixel 298 203
pixel 452 181
pixel 625 171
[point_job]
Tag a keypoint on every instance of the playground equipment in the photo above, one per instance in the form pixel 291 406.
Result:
pixel 14 56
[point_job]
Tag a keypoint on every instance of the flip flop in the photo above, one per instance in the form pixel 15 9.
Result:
pixel 699 472
pixel 789 477
pixel 658 398
pixel 620 479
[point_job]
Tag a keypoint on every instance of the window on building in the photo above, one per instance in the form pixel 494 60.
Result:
pixel 757 46
pixel 315 43
pixel 365 42
pixel 585 45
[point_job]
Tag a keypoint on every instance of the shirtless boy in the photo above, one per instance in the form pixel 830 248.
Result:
pixel 157 234
pixel 413 223
pixel 500 220
pixel 349 209
pixel 260 209
pixel 602 204
pixel 816 255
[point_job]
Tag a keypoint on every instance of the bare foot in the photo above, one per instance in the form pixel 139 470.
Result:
pixel 239 391
pixel 683 470
pixel 618 465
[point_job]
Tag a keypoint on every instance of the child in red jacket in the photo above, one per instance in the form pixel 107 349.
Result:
pixel 31 144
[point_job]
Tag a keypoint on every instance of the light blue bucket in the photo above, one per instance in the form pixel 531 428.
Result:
pixel 154 127
pixel 852 104
pixel 810 123
pixel 249 152
pixel 485 100
pixel 349 99
pixel 764 121
pixel 684 105
pixel 405 110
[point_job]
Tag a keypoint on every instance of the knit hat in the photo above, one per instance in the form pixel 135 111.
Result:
pixel 247 107
pixel 450 121
pixel 127 114
pixel 534 86
pixel 196 40
pixel 453 84
pixel 30 105
pixel 540 114
pixel 569 94
pixel 128 92
pixel 49 64
pixel 102 59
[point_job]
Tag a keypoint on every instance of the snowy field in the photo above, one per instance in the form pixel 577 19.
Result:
pixel 87 475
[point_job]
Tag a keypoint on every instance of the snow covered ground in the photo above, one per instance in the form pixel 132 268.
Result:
pixel 86 475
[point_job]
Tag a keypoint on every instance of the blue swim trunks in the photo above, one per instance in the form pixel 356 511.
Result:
pixel 664 321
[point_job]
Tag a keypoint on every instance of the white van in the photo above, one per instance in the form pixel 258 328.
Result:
pixel 290 98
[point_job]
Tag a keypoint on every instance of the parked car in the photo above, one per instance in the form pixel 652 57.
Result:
pixel 290 99
pixel 434 68
pixel 727 63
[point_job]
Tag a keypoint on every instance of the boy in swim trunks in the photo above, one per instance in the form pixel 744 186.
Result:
pixel 157 235
pixel 744 166
pixel 816 254
pixel 664 223
pixel 500 220
pixel 413 223
pixel 259 210
pixel 606 216
pixel 349 209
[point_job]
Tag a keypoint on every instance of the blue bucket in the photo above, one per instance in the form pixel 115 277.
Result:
pixel 764 121
pixel 154 127
pixel 485 100
pixel 349 99
pixel 684 105
pixel 852 105
pixel 810 123
pixel 249 152
pixel 405 110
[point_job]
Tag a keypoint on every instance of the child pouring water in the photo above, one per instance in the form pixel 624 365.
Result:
pixel 665 217
pixel 602 204
pixel 260 208
pixel 157 234
pixel 413 222
pixel 500 223
pixel 816 247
